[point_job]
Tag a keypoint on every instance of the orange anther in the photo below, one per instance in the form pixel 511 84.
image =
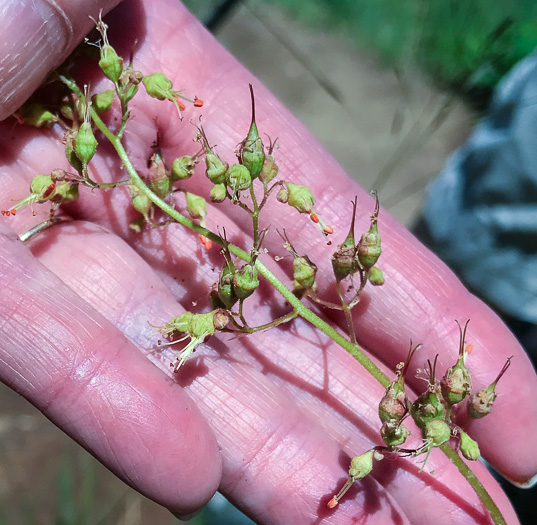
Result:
pixel 314 218
pixel 198 102
pixel 34 213
pixel 328 229
pixel 206 242
pixel 13 212
pixel 469 349
pixel 332 503
pixel 182 107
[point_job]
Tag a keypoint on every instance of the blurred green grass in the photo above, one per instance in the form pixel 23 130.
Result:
pixel 465 45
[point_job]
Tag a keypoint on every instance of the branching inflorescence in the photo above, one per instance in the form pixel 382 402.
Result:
pixel 249 184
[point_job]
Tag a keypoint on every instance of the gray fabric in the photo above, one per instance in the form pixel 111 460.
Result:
pixel 481 211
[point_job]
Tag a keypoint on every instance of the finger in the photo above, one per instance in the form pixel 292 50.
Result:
pixel 86 377
pixel 268 398
pixel 35 39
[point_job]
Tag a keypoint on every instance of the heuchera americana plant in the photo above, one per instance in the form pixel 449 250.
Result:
pixel 249 183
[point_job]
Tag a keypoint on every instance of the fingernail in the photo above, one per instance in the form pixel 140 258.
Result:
pixel 525 484
pixel 31 46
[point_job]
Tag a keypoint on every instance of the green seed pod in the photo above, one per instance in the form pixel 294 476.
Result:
pixel 437 431
pixel 457 382
pixel 238 178
pixel 102 102
pixel 245 281
pixel 469 447
pixel 480 404
pixel 369 249
pixel 300 197
pixel 252 151
pixel 304 272
pixel 85 143
pixel 196 206
pixel 376 276
pixel 70 153
pixel 427 408
pixel 41 185
pixel 361 466
pixel 226 291
pixel 65 192
pixel 218 193
pixel 37 115
pixel 158 86
pixel 216 169
pixel 110 63
pixel 183 167
pixel 393 434
pixel 158 176
pixel 343 259
pixel 270 170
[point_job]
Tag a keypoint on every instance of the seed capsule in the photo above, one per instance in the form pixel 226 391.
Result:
pixel 343 259
pixel 369 249
pixel 469 448
pixel 245 281
pixel 252 151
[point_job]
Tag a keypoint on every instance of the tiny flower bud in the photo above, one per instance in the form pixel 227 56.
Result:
pixel 376 276
pixel 245 281
pixel 238 178
pixel 457 382
pixel 480 404
pixel 369 249
pixel 102 102
pixel 469 447
pixel 283 196
pixel 269 171
pixel 196 206
pixel 129 82
pixel 183 167
pixel 220 319
pixel 252 152
pixel 437 431
pixel 218 193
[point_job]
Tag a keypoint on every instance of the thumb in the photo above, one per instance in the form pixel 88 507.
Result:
pixel 35 39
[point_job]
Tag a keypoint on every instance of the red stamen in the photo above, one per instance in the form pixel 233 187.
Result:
pixel 206 242
pixel 49 190
pixel 198 102
pixel 328 229
pixel 332 503
pixel 469 349
pixel 314 218
pixel 13 212
pixel 34 213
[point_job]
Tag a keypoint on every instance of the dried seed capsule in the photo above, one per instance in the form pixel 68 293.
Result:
pixel 158 176
pixel 393 406
pixel 304 272
pixel 429 405
pixel 369 249
pixel 282 196
pixel 469 448
pixel 393 434
pixel 480 404
pixel 269 171
pixel 252 151
pixel 457 382
pixel 245 281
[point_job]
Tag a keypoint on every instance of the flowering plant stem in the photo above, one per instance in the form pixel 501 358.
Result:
pixel 299 309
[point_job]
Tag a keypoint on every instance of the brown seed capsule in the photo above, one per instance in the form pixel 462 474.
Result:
pixel 343 259
pixel 369 249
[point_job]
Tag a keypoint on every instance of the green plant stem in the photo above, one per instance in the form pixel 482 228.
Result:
pixel 480 490
pixel 301 310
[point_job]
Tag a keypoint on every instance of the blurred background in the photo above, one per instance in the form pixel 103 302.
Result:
pixel 391 89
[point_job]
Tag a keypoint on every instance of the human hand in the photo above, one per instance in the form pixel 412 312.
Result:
pixel 287 407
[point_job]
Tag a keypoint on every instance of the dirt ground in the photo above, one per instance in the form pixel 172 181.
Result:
pixel 381 126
